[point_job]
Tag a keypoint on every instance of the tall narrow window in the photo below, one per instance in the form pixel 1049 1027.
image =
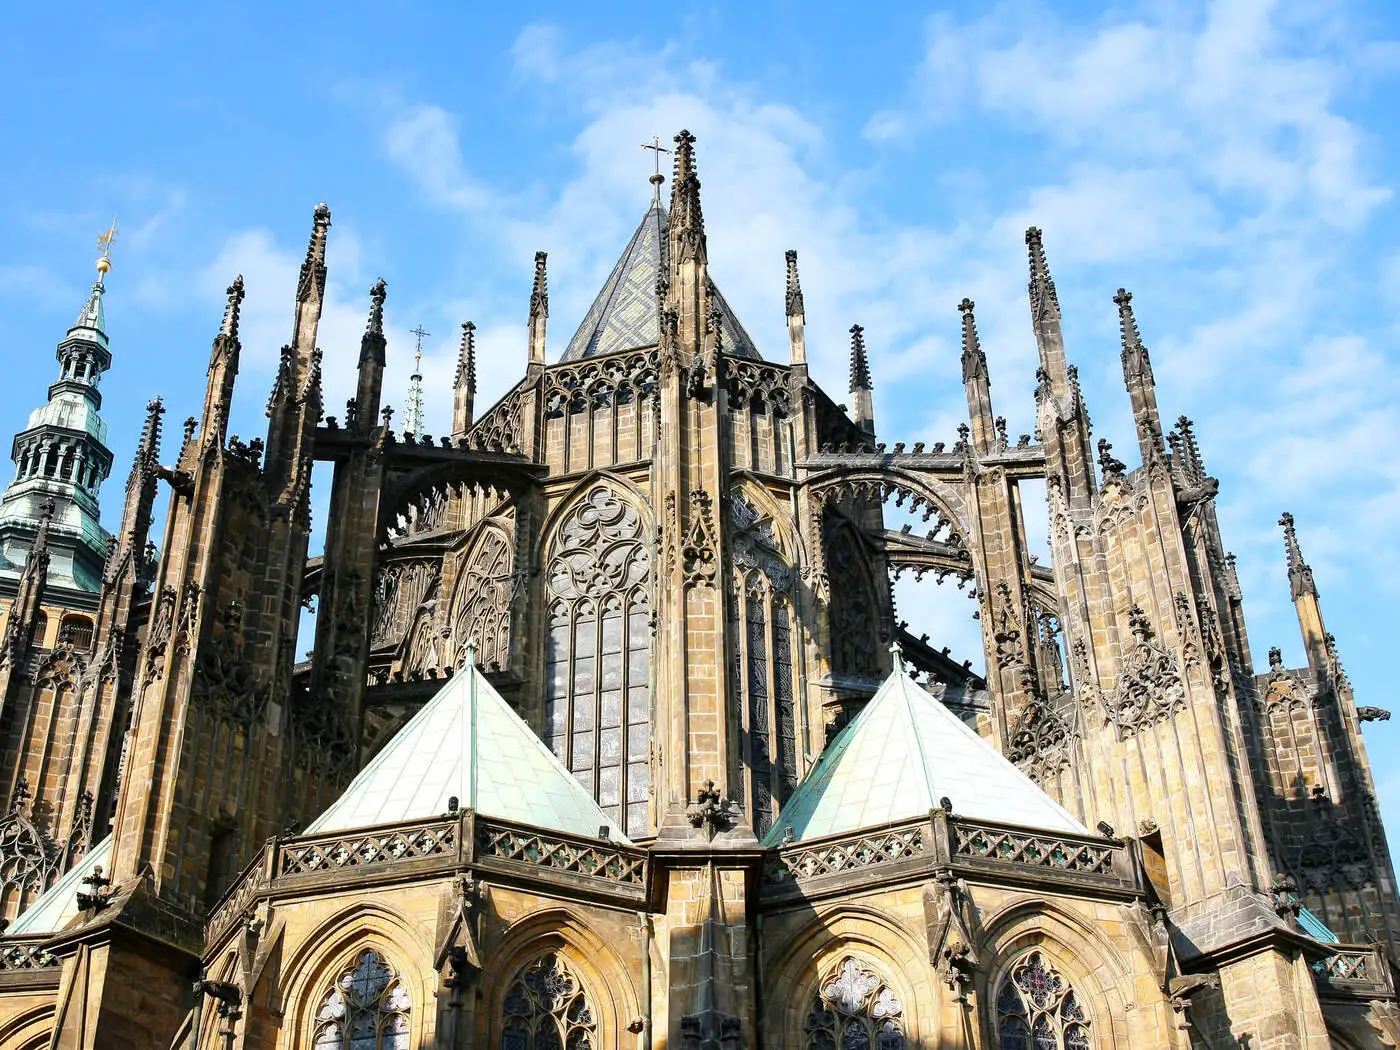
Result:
pixel 366 1010
pixel 547 1008
pixel 854 1009
pixel 1038 1010
pixel 597 701
pixel 760 609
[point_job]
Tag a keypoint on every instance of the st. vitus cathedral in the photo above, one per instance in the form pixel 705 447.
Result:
pixel 611 738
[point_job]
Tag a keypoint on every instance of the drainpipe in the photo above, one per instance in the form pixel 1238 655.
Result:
pixel 644 1036
pixel 197 1014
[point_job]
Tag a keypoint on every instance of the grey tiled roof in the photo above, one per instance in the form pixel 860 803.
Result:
pixel 624 315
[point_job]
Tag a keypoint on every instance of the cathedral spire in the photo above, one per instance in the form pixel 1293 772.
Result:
pixel 1045 316
pixel 1300 574
pixel 370 383
pixel 796 312
pixel 687 220
pixel 1137 374
pixel 413 406
pixel 141 482
pixel 976 382
pixel 863 403
pixel 539 310
pixel 464 383
pixel 223 369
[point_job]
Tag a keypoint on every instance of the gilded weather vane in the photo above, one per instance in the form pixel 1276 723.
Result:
pixel 104 245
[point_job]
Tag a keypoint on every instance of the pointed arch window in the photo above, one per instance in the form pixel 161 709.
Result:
pixel 367 1009
pixel 854 1009
pixel 762 612
pixel 1037 1009
pixel 597 691
pixel 547 1008
pixel 481 609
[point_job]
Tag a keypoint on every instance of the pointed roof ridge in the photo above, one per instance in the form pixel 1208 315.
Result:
pixel 92 317
pixel 902 753
pixel 625 314
pixel 492 763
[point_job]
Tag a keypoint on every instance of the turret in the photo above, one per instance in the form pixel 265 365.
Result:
pixel 1137 374
pixel 539 311
pixel 862 403
pixel 464 383
pixel 796 313
pixel 977 383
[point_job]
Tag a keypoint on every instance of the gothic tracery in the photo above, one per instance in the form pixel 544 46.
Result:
pixel 547 1008
pixel 597 700
pixel 1037 1009
pixel 367 1008
pixel 853 1008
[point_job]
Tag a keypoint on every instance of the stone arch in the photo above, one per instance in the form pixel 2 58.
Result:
pixel 872 938
pixel 313 965
pixel 29 1030
pixel 931 495
pixel 611 988
pixel 762 498
pixel 1100 972
pixel 635 494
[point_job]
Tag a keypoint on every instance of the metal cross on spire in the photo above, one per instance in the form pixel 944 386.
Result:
pixel 656 179
pixel 413 411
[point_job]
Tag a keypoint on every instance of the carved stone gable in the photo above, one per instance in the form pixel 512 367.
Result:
pixel 1150 687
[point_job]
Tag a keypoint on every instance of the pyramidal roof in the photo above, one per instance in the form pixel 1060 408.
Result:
pixel 624 316
pixel 897 758
pixel 91 318
pixel 468 743
pixel 56 906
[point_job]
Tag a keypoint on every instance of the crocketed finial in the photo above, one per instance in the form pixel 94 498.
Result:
pixel 539 291
pixel 1042 286
pixel 1300 574
pixel 795 305
pixel 974 361
pixel 313 269
pixel 860 364
pixel 466 359
pixel 1135 357
pixel 229 328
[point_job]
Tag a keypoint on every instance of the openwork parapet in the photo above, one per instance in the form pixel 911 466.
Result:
pixel 1354 970
pixel 916 847
pixel 516 844
pixel 25 953
pixel 376 846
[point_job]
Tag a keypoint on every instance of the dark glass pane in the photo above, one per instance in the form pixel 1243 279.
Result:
pixel 1012 1035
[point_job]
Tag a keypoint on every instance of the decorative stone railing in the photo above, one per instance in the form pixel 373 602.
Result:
pixel 25 953
pixel 911 848
pixel 442 845
pixel 1355 970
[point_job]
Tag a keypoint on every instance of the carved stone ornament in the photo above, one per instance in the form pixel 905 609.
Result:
pixel 698 558
pixel 1039 741
pixel 1283 891
pixel 1149 687
pixel 710 810
pixel 755 547
pixel 223 679
pixel 29 856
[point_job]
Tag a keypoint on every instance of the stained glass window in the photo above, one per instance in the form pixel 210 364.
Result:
pixel 546 1008
pixel 854 1009
pixel 366 1010
pixel 1038 1010
pixel 597 701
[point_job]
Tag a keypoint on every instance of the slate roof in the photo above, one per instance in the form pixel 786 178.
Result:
pixel 897 758
pixel 430 760
pixel 624 316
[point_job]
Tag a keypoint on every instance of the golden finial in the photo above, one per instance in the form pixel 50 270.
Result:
pixel 104 245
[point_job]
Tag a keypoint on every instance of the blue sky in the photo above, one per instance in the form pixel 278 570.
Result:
pixel 1233 163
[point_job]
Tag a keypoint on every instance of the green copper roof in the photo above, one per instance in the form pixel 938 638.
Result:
pixel 91 316
pixel 897 758
pixel 624 316
pixel 58 904
pixel 1315 927
pixel 468 743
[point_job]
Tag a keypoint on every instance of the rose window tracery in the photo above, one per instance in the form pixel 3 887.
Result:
pixel 1038 1010
pixel 597 695
pixel 547 1008
pixel 854 1009
pixel 366 1010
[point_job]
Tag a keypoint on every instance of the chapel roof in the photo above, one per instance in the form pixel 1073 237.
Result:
pixel 467 743
pixel 625 316
pixel 896 759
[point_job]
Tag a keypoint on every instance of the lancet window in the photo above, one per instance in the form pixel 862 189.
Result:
pixel 367 1009
pixel 597 696
pixel 761 609
pixel 547 1008
pixel 1037 1009
pixel 854 1009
